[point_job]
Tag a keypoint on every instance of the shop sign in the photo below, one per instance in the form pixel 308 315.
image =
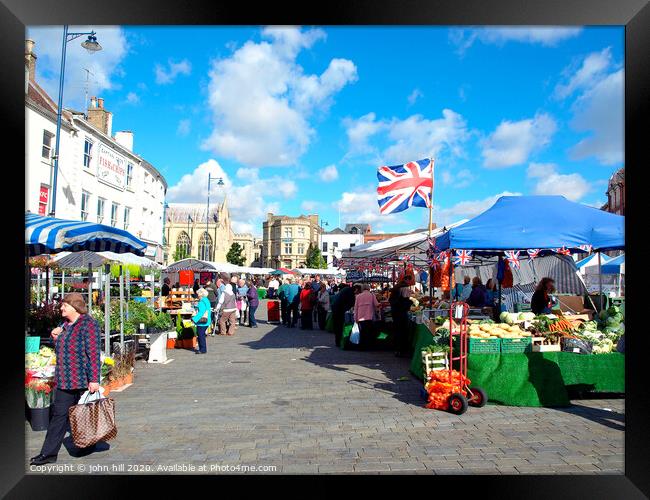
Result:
pixel 111 167
pixel 43 197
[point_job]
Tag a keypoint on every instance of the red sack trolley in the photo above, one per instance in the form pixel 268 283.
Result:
pixel 273 311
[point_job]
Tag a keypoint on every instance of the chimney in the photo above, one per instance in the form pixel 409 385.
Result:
pixel 125 138
pixel 98 117
pixel 30 58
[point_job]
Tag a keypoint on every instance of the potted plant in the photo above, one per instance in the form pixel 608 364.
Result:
pixel 186 334
pixel 121 372
pixel 38 393
pixel 42 320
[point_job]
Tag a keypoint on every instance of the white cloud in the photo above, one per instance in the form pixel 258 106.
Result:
pixel 167 75
pixel 247 200
pixel 460 179
pixel 593 68
pixel 411 139
pixel 329 173
pixel 600 110
pixel 309 206
pixel 466 209
pixel 361 206
pixel 104 65
pixel 512 143
pixel 132 98
pixel 548 36
pixel 262 101
pixel 550 182
pixel 414 96
pixel 184 127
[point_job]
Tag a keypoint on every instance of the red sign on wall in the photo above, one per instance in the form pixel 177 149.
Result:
pixel 44 194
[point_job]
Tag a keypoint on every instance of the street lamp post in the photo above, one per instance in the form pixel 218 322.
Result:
pixel 207 213
pixel 322 223
pixel 91 46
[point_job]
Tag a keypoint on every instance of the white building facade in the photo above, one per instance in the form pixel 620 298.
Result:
pixel 100 178
pixel 334 241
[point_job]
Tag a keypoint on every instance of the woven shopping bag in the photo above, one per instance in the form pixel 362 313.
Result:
pixel 92 422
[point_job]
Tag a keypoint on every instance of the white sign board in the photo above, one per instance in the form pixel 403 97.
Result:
pixel 111 167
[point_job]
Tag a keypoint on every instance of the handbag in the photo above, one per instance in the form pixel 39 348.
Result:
pixel 92 422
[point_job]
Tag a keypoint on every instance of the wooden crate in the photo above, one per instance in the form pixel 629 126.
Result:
pixel 434 361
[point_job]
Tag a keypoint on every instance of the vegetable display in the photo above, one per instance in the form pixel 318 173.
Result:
pixel 440 385
pixel 497 331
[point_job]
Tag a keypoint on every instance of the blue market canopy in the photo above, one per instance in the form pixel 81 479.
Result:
pixel 47 235
pixel 613 266
pixel 531 222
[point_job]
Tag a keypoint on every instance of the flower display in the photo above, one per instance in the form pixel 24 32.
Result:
pixel 38 390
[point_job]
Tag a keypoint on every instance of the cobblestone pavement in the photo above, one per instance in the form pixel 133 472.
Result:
pixel 289 399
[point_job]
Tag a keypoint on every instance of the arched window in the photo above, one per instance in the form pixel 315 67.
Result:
pixel 205 247
pixel 183 244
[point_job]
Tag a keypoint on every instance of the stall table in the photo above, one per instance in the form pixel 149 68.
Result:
pixel 541 379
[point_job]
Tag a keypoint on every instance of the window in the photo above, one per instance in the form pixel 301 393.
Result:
pixel 301 232
pixel 88 147
pixel 335 244
pixel 127 215
pixel 85 200
pixel 324 246
pixel 183 244
pixel 354 230
pixel 288 248
pixel 129 174
pixel 47 144
pixel 100 210
pixel 288 232
pixel 301 249
pixel 352 244
pixel 205 247
pixel 114 208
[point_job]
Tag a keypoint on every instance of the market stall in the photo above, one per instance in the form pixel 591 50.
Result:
pixel 567 345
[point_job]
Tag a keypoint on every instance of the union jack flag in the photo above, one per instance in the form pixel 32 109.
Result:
pixel 586 248
pixel 533 252
pixel 403 186
pixel 442 258
pixel 405 257
pixel 513 258
pixel 335 262
pixel 563 251
pixel 462 257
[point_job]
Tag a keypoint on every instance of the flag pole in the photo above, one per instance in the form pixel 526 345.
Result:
pixel 428 241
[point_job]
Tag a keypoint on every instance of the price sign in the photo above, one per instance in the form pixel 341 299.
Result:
pixel 458 313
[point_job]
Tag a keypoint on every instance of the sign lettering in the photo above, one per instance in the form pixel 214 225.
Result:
pixel 111 167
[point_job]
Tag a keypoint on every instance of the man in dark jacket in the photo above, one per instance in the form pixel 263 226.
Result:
pixel 253 303
pixel 478 297
pixel 342 302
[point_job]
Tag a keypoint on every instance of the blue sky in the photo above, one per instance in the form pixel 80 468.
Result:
pixel 297 119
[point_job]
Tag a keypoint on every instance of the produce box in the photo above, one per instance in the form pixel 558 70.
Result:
pixel 516 345
pixel 480 346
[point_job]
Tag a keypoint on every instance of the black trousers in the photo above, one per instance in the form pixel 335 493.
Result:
pixel 306 318
pixel 322 317
pixel 59 420
pixel 366 334
pixel 401 325
pixel 338 318
pixel 294 313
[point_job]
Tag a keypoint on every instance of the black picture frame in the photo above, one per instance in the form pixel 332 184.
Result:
pixel 633 14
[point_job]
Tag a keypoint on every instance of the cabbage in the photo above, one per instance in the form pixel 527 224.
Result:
pixel 503 316
pixel 527 316
pixel 602 315
pixel 612 322
pixel 613 311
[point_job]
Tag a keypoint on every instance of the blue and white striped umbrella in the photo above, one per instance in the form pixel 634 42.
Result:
pixel 50 235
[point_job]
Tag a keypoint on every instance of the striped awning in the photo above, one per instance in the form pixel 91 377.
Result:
pixel 46 235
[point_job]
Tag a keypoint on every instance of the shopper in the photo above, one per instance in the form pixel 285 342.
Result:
pixel 228 306
pixel 284 304
pixel 343 301
pixel 323 306
pixel 273 288
pixel 242 305
pixel 467 289
pixel 202 319
pixel 78 367
pixel 253 304
pixel 542 302
pixel 490 292
pixel 306 307
pixel 366 308
pixel 165 288
pixel 293 300
pixel 196 287
pixel 399 306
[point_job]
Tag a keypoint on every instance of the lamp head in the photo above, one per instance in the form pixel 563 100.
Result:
pixel 220 183
pixel 91 45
